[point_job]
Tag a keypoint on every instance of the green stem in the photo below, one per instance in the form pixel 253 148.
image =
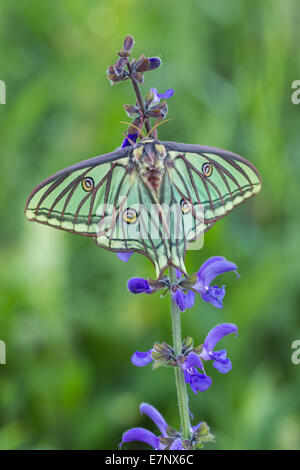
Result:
pixel 179 377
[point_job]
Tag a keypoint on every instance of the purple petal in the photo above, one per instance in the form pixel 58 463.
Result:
pixel 208 262
pixel 138 285
pixel 212 268
pixel 221 362
pixel 223 366
pixel 155 62
pixel 202 384
pixel 156 417
pixel 124 256
pixel 167 94
pixel 219 355
pixel 179 299
pixel 126 142
pixel 198 382
pixel 190 299
pixel 193 360
pixel 215 335
pixel 214 295
pixel 158 96
pixel 141 359
pixel 142 435
pixel 177 445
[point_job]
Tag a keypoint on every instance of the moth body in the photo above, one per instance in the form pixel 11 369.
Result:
pixel 149 156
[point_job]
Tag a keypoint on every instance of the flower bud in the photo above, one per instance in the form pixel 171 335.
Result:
pixel 156 364
pixel 138 76
pixel 160 110
pixel 142 65
pixel 158 347
pixel 155 62
pixel 127 47
pixel 166 441
pixel 112 75
pixel 149 98
pixel 128 43
pixel 115 75
pixel 131 110
pixel 187 343
pixel 171 432
pixel 188 281
pixel 120 64
pixel 198 349
pixel 203 434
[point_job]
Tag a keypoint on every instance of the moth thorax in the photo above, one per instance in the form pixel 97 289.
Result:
pixel 150 158
pixel 153 154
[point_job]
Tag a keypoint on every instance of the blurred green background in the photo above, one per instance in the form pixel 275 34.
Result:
pixel 69 324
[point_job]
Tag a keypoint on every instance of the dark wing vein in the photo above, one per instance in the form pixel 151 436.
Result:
pixel 68 198
pixel 49 191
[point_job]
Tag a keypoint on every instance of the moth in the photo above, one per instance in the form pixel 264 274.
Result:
pixel 154 197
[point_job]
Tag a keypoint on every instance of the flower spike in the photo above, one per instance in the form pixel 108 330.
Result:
pixel 184 290
pixel 191 359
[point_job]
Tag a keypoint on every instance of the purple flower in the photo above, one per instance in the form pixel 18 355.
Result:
pixel 155 62
pixel 209 270
pixel 221 362
pixel 183 291
pixel 124 256
pixel 169 438
pixel 199 381
pixel 141 359
pixel 212 268
pixel 183 299
pixel 148 437
pixel 179 298
pixel 138 285
pixel 161 96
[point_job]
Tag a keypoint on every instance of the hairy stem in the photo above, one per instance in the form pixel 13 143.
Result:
pixel 179 377
pixel 139 99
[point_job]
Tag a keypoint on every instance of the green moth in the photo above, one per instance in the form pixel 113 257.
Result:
pixel 153 197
